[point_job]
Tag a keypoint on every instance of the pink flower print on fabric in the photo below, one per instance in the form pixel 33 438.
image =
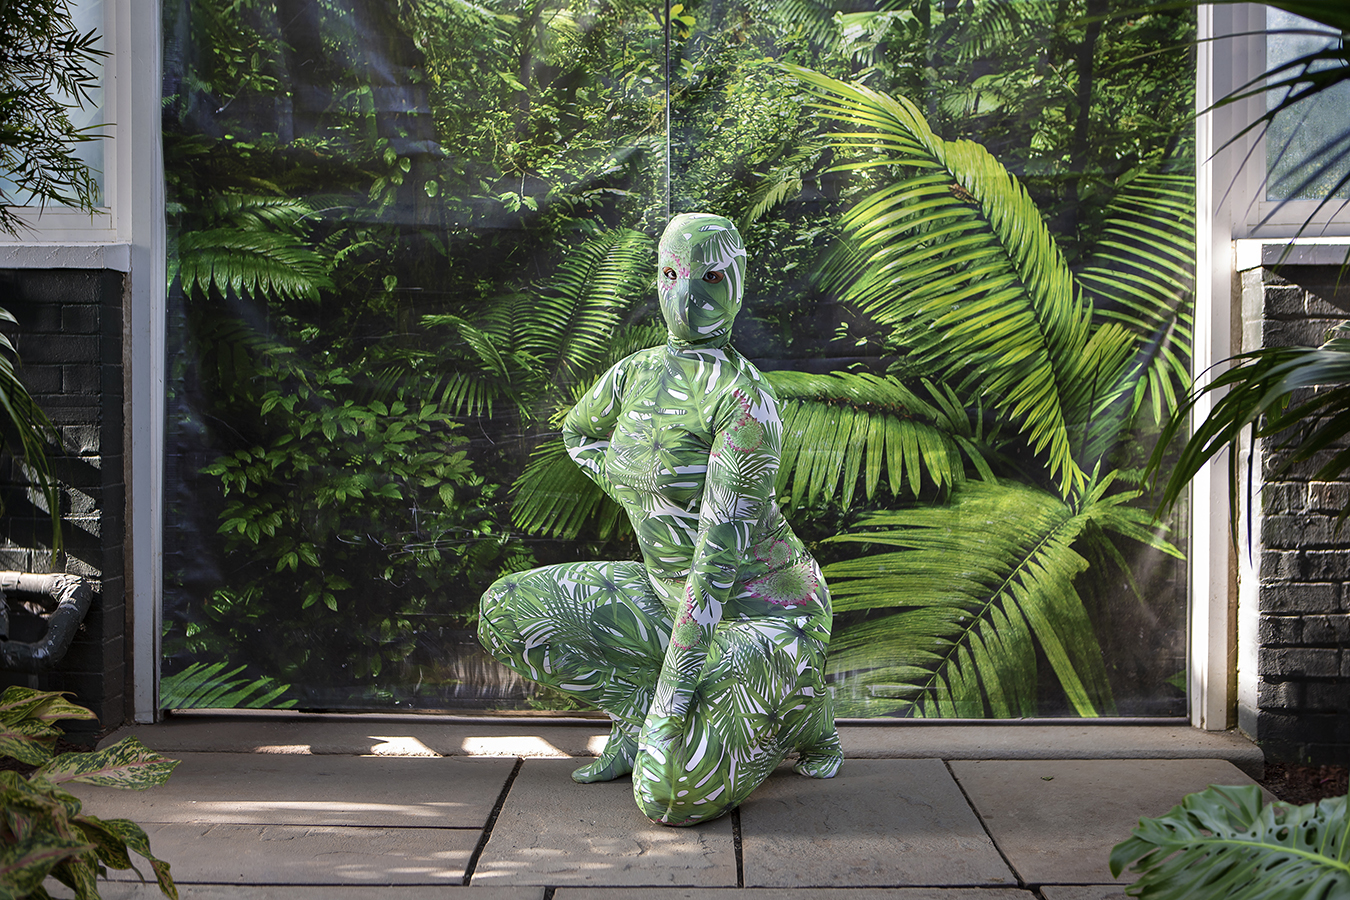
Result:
pixel 685 620
pixel 792 586
pixel 774 552
pixel 746 434
pixel 681 267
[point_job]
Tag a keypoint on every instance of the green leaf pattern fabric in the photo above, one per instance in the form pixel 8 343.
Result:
pixel 708 654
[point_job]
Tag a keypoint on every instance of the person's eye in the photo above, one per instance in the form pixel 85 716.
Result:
pixel 670 273
pixel 714 277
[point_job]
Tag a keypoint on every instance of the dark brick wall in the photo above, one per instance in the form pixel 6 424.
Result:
pixel 1303 660
pixel 69 337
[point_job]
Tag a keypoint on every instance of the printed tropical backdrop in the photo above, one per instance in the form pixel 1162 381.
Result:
pixel 406 235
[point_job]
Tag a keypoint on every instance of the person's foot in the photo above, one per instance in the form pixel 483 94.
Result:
pixel 614 762
pixel 822 759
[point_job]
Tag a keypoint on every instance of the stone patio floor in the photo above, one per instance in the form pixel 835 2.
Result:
pixel 390 807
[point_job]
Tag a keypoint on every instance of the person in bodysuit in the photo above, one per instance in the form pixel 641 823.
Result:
pixel 708 655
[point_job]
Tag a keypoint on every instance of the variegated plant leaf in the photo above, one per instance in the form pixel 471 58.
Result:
pixel 134 837
pixel 27 722
pixel 80 874
pixel 128 764
pixel 108 844
pixel 25 864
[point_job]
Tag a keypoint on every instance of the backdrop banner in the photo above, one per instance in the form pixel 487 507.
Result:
pixel 406 239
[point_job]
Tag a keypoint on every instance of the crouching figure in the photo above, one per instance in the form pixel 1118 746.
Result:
pixel 709 654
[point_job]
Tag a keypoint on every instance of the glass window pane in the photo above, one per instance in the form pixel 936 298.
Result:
pixel 87 16
pixel 1307 145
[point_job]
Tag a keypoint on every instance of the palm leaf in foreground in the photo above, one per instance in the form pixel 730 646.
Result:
pixel 973 582
pixel 1222 842
pixel 958 260
pixel 26 432
pixel 1261 384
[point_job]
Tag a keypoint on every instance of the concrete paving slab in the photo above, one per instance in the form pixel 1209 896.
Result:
pixel 262 789
pixel 124 891
pixel 555 832
pixel 312 855
pixel 804 893
pixel 288 733
pixel 1057 820
pixel 1071 740
pixel 1083 892
pixel 878 822
pixel 372 734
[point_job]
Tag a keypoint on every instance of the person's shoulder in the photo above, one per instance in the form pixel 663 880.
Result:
pixel 743 391
pixel 749 379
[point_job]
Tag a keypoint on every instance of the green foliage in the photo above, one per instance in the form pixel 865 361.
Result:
pixel 26 433
pixel 1141 276
pixel 42 831
pixel 1224 842
pixel 202 686
pixel 255 249
pixel 954 260
pixel 976 579
pixel 348 472
pixel 1323 175
pixel 47 68
pixel 1259 388
pixel 1257 394
pixel 841 425
pixel 480 250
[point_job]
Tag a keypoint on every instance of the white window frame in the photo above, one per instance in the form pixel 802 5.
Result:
pixel 1238 230
pixel 127 235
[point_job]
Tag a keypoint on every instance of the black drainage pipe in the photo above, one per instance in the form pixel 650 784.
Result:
pixel 72 594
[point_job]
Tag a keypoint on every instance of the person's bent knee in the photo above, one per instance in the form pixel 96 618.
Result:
pixel 668 801
pixel 495 621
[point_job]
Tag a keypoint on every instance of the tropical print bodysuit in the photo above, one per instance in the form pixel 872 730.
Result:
pixel 709 654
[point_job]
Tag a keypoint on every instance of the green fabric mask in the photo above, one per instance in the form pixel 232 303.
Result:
pixel 700 279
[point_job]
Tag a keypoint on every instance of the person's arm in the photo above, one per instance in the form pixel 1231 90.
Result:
pixel 587 429
pixel 737 494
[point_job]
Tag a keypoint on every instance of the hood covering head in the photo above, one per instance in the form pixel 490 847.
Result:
pixel 700 277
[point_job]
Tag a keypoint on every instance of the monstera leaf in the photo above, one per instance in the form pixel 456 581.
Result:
pixel 1223 842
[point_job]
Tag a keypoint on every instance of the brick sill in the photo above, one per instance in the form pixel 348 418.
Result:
pixel 67 255
pixel 1308 251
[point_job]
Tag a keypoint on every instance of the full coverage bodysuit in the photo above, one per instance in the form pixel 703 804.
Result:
pixel 709 654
